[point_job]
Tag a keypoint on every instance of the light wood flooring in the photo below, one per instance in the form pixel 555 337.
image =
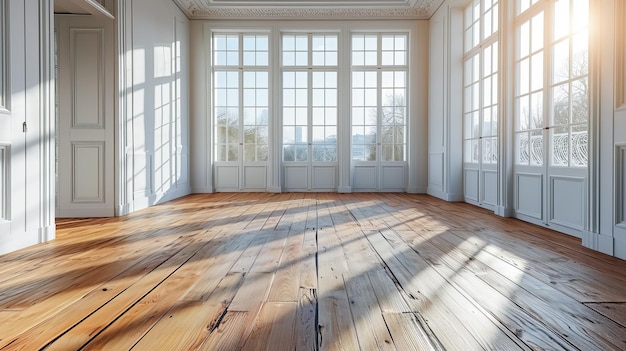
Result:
pixel 321 271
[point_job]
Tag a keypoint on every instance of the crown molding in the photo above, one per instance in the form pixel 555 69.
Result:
pixel 203 9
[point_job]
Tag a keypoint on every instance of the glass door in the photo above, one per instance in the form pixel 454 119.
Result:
pixel 241 111
pixel 480 108
pixel 309 111
pixel 379 111
pixel 552 113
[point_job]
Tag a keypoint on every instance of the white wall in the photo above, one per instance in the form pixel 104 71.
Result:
pixel 154 124
pixel 26 173
pixel 445 153
pixel 607 232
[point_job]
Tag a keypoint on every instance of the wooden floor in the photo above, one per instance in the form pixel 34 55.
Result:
pixel 310 271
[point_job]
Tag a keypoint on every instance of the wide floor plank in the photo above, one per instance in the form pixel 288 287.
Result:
pixel 310 271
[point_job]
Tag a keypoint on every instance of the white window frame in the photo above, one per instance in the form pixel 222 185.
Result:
pixel 379 68
pixel 310 68
pixel 478 138
pixel 545 148
pixel 241 69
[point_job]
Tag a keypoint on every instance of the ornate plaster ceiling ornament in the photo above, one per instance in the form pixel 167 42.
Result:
pixel 298 9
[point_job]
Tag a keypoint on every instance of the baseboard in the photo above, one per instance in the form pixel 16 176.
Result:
pixel 344 189
pixel 85 212
pixel 450 197
pixel 142 202
pixel 123 209
pixel 599 242
pixel 47 233
pixel 274 189
pixel 416 190
pixel 504 211
pixel 202 190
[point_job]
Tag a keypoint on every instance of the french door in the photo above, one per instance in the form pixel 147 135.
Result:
pixel 480 108
pixel 241 111
pixel 379 111
pixel 309 112
pixel 551 113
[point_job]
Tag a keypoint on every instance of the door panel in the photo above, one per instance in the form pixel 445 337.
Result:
pixel 568 201
pixel 86 120
pixel 227 177
pixel 529 191
pixel 489 188
pixel 296 177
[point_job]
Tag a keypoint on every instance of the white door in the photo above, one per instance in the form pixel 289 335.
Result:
pixel 85 106
pixel 551 114
pixel 480 108
pixel 379 111
pixel 309 111
pixel 240 111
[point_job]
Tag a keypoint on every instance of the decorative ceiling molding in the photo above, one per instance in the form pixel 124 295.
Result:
pixel 209 9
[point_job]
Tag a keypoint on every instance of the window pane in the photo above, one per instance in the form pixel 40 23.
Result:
pixel 560 146
pixel 579 146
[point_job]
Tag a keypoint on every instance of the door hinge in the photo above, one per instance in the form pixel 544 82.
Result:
pixel 24 127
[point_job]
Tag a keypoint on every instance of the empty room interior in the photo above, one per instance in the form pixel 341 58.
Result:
pixel 312 175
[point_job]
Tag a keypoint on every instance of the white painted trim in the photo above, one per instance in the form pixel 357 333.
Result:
pixel 202 163
pixel 503 211
pixel 344 189
pixel 47 130
pixel 123 66
pixel 202 190
pixel 47 233
pixel 598 242
pixel 274 189
pixel 450 197
pixel 96 212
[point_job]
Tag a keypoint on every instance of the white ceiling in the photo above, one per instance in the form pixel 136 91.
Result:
pixel 316 9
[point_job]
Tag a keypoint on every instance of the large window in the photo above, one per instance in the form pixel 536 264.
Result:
pixel 481 82
pixel 379 96
pixel 551 63
pixel 240 97
pixel 309 79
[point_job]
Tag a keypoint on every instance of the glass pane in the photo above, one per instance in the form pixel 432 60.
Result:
pixel 536 110
pixel 524 40
pixel 523 148
pixel 536 148
pixel 561 18
pixel 560 63
pixel 579 146
pixel 289 153
pixel 536 79
pixel 523 86
pixel 249 154
pixel 580 101
pixel 537 32
pixel 560 146
pixel 302 153
pixel 580 55
pixel 581 16
pixel 233 152
pixel 262 153
pixel 560 105
pixel 489 150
